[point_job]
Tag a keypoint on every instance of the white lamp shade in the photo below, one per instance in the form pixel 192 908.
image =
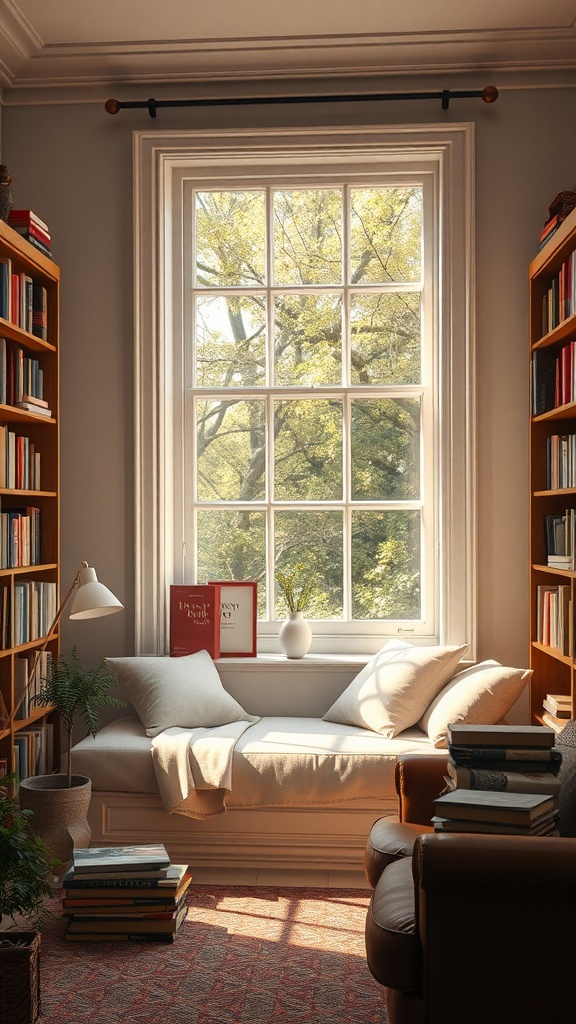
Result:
pixel 92 599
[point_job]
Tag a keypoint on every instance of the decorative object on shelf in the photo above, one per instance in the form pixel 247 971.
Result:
pixel 295 634
pixel 238 612
pixel 6 201
pixel 562 204
pixel 60 802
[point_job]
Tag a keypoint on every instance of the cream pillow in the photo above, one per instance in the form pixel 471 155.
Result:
pixel 185 692
pixel 479 695
pixel 393 690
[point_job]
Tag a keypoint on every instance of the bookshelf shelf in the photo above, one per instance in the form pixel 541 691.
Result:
pixel 23 587
pixel 553 396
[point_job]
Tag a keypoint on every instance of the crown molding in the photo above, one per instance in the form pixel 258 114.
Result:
pixel 19 42
pixel 28 64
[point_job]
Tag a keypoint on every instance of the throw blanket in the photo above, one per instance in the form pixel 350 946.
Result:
pixel 194 768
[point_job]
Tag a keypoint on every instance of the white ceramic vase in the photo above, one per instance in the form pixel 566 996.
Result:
pixel 295 636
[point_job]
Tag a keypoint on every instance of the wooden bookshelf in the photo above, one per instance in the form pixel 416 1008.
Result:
pixel 552 473
pixel 39 434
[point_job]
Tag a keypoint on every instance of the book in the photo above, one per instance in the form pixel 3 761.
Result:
pixel 119 913
pixel 545 826
pixel 557 712
pixel 506 808
pixel 195 619
pixel 36 241
pixel 120 936
pixel 27 217
pixel 119 924
pixel 87 907
pixel 475 756
pixel 128 886
pixel 460 777
pixel 38 410
pixel 559 701
pixel 120 858
pixel 150 873
pixel 500 735
pixel 553 722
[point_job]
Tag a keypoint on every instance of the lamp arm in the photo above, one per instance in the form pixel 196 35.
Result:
pixel 43 646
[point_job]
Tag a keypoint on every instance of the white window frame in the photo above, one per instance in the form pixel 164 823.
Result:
pixel 162 161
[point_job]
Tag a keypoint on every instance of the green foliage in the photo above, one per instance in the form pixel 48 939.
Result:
pixel 296 593
pixel 308 349
pixel 78 692
pixel 24 860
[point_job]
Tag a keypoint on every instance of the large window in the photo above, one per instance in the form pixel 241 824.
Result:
pixel 304 374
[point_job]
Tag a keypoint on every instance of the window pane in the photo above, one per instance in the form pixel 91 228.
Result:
pixel 230 342
pixel 385 235
pixel 231 546
pixel 386 575
pixel 231 454
pixel 308 339
pixel 308 237
pixel 308 450
pixel 313 540
pixel 385 338
pixel 385 449
pixel 230 239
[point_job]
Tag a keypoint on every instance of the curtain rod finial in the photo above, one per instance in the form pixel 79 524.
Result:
pixel 112 106
pixel 490 94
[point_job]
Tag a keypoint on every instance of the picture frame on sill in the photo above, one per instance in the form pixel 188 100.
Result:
pixel 238 613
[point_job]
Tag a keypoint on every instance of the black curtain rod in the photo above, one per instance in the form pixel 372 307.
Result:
pixel 489 94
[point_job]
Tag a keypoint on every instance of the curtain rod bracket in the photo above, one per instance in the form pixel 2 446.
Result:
pixel 489 95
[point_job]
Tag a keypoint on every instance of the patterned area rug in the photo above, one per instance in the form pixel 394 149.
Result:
pixel 244 955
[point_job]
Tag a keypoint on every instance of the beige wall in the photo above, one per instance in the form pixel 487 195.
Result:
pixel 72 164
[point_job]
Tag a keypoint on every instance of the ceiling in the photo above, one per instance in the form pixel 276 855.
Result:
pixel 63 44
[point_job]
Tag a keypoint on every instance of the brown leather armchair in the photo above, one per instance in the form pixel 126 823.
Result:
pixel 468 928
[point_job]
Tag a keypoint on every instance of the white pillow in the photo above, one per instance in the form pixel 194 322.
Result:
pixel 394 689
pixel 479 695
pixel 185 692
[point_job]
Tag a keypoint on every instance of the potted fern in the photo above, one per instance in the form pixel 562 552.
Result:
pixel 60 802
pixel 295 634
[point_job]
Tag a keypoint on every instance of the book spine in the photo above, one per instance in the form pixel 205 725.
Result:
pixel 119 936
pixel 465 755
pixel 115 883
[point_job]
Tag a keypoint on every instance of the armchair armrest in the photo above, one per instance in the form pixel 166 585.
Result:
pixel 494 916
pixel 419 780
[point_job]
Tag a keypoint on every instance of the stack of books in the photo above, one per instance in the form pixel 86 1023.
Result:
pixel 124 893
pixel 502 779
pixel 32 228
pixel 557 709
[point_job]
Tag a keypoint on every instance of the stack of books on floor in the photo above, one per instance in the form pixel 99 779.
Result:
pixel 501 779
pixel 124 893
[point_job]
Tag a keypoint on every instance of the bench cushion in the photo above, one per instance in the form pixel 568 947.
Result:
pixel 277 762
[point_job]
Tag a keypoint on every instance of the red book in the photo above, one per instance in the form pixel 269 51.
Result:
pixel 195 619
pixel 32 229
pixel 25 217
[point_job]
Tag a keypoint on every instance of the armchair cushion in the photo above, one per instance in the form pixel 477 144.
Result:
pixel 391 941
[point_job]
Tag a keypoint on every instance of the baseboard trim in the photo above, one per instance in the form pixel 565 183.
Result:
pixel 286 837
